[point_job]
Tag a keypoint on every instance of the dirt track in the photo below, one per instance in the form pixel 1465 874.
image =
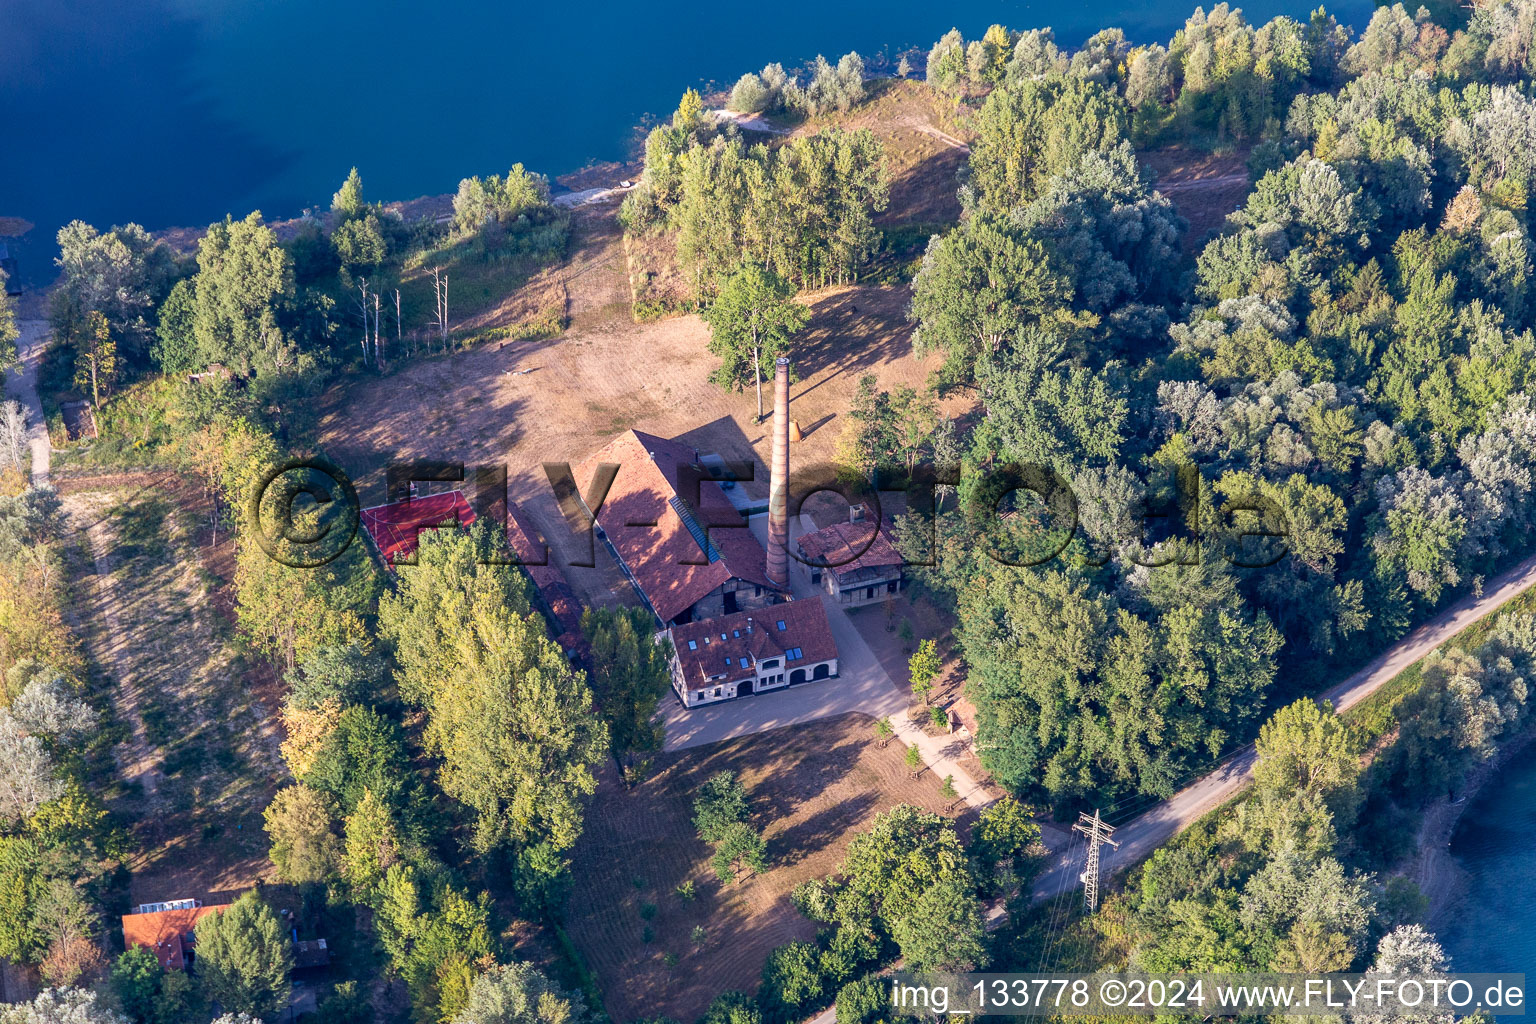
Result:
pixel 1139 836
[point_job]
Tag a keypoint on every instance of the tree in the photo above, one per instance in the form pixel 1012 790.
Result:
pixel 123 274
pixel 883 730
pixel 948 791
pixel 1005 832
pixel 511 722
pixel 720 814
pixel 1305 747
pixel 348 200
pixel 9 334
pixel 1029 131
pixel 909 876
pixel 739 845
pixel 301 824
pixel 519 994
pixel 751 322
pixel 372 845
pixel 28 773
pixel 792 981
pixel 61 1006
pixel 865 1001
pixel 514 201
pixel 175 347
pixel 244 289
pixel 923 667
pixel 720 803
pixel 95 356
pixel 977 286
pixel 914 761
pixel 630 673
pixel 364 752
pixel 244 955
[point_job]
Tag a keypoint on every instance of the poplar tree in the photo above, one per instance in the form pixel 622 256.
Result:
pixel 244 955
pixel 751 323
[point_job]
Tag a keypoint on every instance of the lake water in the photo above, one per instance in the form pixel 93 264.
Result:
pixel 1496 931
pixel 174 112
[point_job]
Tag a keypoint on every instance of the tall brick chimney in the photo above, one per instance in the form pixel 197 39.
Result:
pixel 778 480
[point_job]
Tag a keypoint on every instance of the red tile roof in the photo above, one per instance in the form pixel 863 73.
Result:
pixel 845 547
pixel 167 932
pixel 659 555
pixel 396 527
pixel 754 635
pixel 550 582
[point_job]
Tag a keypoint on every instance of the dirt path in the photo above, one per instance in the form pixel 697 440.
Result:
pixel 22 386
pixel 1144 833
pixel 137 760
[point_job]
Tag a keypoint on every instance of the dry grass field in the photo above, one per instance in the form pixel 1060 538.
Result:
pixel 811 789
pixel 198 746
pixel 607 374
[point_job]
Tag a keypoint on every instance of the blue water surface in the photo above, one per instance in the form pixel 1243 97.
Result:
pixel 175 112
pixel 1495 929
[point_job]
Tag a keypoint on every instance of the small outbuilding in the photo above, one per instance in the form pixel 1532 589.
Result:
pixel 854 562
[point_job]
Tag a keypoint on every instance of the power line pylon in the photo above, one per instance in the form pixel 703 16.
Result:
pixel 1098 834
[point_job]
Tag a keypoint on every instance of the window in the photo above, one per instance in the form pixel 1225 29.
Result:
pixel 698 696
pixel 793 654
pixel 727 661
pixel 736 633
pixel 890 588
pixel 717 691
pixel 743 662
pixel 722 636
pixel 782 627
pixel 770 664
pixel 693 645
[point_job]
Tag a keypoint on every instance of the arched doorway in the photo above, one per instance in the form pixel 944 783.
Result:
pixel 744 688
pixel 822 671
pixel 797 676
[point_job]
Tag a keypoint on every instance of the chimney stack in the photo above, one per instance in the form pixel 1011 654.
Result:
pixel 778 481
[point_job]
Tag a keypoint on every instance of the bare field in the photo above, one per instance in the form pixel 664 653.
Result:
pixel 1204 187
pixel 606 375
pixel 811 789
pixel 198 758
pixel 924 144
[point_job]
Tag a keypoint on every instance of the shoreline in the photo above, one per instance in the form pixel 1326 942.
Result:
pixel 1441 877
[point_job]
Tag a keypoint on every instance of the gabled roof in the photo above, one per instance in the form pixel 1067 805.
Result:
pixel 166 932
pixel 675 561
pixel 846 547
pixel 550 582
pixel 755 636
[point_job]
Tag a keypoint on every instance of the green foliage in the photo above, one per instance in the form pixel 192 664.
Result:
pixel 501 203
pixel 429 929
pixel 804 211
pixel 510 720
pixel 923 667
pixel 1028 132
pixel 243 296
pixel 244 955
pixel 721 802
pixel 629 673
pixel 978 286
pixel 301 824
pixel 519 994
pixel 908 877
pixel 751 323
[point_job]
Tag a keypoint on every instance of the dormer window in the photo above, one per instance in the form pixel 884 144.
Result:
pixel 743 662
pixel 693 645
